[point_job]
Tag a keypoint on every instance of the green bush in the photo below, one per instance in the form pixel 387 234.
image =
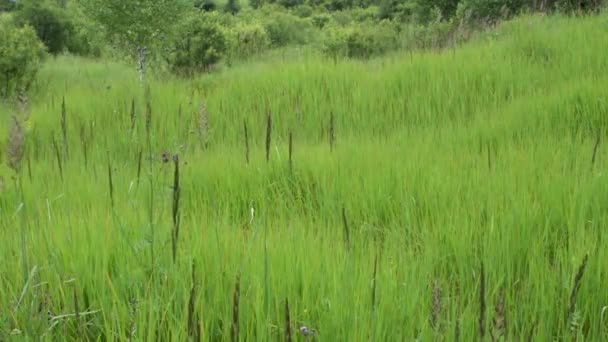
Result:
pixel 247 39
pixel 492 11
pixel 199 43
pixel 6 5
pixel 362 40
pixel 205 5
pixel 86 38
pixel 232 7
pixel 320 20
pixel 303 11
pixel 284 29
pixel 51 23
pixel 21 54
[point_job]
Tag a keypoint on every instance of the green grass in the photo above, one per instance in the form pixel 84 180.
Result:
pixel 443 161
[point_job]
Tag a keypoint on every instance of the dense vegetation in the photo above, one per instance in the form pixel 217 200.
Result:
pixel 303 170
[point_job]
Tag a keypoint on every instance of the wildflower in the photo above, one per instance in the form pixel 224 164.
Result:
pixel 307 332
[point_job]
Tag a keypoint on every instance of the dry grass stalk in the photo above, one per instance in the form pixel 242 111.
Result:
pixel 148 119
pixel 133 114
pixel 246 136
pixel 290 151
pixel 15 145
pixel 83 144
pixel 268 135
pixel 332 131
pixel 374 282
pixel 500 317
pixel 193 321
pixel 64 127
pixel 287 322
pixel 175 211
pixel 139 159
pixel 346 229
pixel 482 302
pixel 234 333
pixel 595 148
pixel 577 284
pixel 58 156
pixel 29 166
pixel 77 311
pixel 203 125
pixel 436 305
pixel 110 183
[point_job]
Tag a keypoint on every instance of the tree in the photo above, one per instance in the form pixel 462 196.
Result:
pixel 7 5
pixel 21 54
pixel 199 44
pixel 137 26
pixel 232 7
pixel 51 23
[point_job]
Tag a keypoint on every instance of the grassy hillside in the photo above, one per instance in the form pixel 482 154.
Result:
pixel 454 176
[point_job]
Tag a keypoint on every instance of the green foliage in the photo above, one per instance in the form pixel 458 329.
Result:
pixel 285 28
pixel 205 5
pixel 320 20
pixel 21 54
pixel 255 4
pixel 232 7
pixel 138 24
pixel 86 38
pixel 247 39
pixel 199 43
pixel 52 24
pixel 362 40
pixel 303 11
pixel 492 11
pixel 7 5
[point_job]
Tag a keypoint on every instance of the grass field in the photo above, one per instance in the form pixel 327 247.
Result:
pixel 428 196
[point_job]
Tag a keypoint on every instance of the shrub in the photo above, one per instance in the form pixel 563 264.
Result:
pixel 303 11
pixel 362 40
pixel 86 38
pixel 320 20
pixel 21 54
pixel 51 23
pixel 284 29
pixel 247 39
pixel 232 7
pixel 6 5
pixel 492 11
pixel 205 5
pixel 200 43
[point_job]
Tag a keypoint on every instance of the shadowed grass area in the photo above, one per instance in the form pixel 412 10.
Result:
pixel 487 154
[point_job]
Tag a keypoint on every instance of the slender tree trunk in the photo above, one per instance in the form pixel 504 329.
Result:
pixel 141 64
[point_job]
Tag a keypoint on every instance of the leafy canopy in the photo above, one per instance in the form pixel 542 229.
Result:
pixel 136 24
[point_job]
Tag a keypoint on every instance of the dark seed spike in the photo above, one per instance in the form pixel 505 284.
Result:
pixel 287 322
pixel 577 284
pixel 110 183
pixel 139 159
pixel 246 135
pixel 268 135
pixel 482 302
pixel 175 209
pixel 133 115
pixel 346 229
pixel 58 156
pixel 193 325
pixel 290 151
pixel 235 309
pixel 595 148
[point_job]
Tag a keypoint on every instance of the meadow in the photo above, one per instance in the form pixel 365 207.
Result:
pixel 435 195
